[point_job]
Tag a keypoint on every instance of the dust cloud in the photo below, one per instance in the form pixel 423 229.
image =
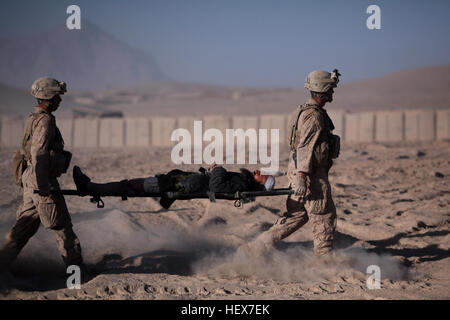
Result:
pixel 114 232
pixel 300 264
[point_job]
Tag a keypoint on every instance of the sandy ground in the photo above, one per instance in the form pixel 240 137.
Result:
pixel 393 211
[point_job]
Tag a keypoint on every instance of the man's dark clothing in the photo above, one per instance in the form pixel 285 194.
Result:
pixel 219 180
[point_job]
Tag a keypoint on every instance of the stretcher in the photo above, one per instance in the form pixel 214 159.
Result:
pixel 239 197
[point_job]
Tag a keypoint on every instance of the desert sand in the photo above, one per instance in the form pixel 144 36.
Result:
pixel 393 211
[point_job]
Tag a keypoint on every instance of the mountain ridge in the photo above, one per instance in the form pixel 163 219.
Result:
pixel 410 89
pixel 89 59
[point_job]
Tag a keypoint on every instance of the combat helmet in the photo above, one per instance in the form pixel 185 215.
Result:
pixel 47 88
pixel 322 81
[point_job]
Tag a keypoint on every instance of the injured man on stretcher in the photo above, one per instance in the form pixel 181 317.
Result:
pixel 216 179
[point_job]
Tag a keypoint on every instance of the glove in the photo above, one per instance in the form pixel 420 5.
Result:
pixel 299 182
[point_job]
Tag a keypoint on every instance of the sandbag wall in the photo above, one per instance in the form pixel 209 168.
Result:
pixel 379 126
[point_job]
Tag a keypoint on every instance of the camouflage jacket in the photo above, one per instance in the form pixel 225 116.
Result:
pixel 45 140
pixel 311 140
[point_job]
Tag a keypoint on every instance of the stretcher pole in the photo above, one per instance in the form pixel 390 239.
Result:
pixel 239 196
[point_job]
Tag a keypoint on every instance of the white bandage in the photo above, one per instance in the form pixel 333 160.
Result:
pixel 270 182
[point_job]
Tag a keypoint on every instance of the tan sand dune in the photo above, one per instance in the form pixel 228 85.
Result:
pixel 411 89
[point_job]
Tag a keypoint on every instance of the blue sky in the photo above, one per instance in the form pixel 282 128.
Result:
pixel 258 43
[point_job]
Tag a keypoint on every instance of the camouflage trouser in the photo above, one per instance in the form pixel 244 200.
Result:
pixel 294 218
pixel 52 212
pixel 319 208
pixel 323 232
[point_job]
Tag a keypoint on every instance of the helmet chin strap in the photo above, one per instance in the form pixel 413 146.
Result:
pixel 43 102
pixel 49 105
pixel 323 96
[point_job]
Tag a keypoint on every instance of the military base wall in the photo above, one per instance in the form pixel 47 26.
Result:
pixel 377 126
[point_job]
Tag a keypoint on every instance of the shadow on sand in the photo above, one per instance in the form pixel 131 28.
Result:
pixel 429 253
pixel 45 275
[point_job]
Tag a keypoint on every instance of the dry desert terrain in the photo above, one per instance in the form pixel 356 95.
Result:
pixel 393 211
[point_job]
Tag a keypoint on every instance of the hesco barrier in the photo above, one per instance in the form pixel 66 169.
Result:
pixel 379 126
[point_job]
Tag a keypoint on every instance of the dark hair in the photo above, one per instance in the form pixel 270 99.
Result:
pixel 253 184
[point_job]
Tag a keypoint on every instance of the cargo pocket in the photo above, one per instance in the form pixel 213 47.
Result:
pixel 53 212
pixel 47 213
pixel 321 154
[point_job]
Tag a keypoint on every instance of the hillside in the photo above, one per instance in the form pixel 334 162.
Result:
pixel 410 89
pixel 14 100
pixel 87 59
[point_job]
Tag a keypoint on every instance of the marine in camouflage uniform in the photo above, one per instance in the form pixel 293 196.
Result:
pixel 43 149
pixel 313 146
